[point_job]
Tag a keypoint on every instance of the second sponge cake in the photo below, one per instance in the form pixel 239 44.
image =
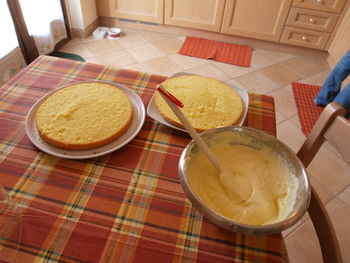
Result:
pixel 209 103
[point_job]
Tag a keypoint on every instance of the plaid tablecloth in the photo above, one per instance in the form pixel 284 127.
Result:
pixel 127 206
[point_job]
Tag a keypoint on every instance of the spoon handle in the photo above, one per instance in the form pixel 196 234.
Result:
pixel 193 133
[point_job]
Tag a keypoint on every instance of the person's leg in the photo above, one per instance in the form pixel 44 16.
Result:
pixel 332 85
pixel 343 98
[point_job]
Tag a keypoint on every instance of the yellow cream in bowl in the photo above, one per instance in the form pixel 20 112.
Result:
pixel 258 174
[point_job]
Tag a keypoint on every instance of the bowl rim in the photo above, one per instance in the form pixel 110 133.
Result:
pixel 229 223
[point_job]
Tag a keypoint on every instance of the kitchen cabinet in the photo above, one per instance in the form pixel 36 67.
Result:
pixel 340 44
pixel 145 10
pixel 199 14
pixel 304 37
pixel 334 6
pixel 312 19
pixel 103 8
pixel 259 19
pixel 305 23
pixel 311 22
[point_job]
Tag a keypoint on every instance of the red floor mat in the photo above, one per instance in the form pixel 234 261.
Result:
pixel 308 112
pixel 223 52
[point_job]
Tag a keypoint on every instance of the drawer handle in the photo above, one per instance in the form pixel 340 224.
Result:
pixel 312 20
pixel 319 1
pixel 304 38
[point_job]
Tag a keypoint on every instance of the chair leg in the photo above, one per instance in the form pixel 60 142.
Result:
pixel 326 235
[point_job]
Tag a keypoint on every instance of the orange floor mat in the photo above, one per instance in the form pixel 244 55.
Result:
pixel 239 55
pixel 308 111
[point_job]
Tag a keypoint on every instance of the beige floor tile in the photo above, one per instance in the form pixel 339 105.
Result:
pixel 345 196
pixel 280 74
pixel 318 79
pixel 289 88
pixel 209 70
pixel 182 38
pixel 79 49
pixel 340 214
pixel 90 38
pixel 330 170
pixel 284 102
pixel 137 67
pixel 290 230
pixel 74 41
pixel 169 46
pixel 232 70
pixel 279 117
pixel 132 39
pixel 94 60
pixel 103 46
pixel 154 36
pixel 302 245
pixel 306 66
pixel 235 83
pixel 323 192
pixel 260 60
pixel 145 52
pixel 162 66
pixel 295 120
pixel 258 83
pixel 290 134
pixel 188 62
pixel 278 56
pixel 117 58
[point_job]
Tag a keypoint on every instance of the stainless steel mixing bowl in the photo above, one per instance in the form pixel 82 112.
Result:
pixel 256 138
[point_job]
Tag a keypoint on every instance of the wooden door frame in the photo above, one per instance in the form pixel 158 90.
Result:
pixel 66 23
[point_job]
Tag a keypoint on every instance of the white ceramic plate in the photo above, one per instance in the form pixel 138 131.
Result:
pixel 153 112
pixel 128 135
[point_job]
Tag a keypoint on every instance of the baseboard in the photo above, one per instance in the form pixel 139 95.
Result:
pixel 84 33
pixel 60 44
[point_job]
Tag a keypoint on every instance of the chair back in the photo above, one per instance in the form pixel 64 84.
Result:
pixel 335 129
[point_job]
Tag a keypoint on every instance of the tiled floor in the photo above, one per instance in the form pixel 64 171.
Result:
pixel 270 73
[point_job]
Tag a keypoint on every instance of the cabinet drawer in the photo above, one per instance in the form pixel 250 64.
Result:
pixel 305 38
pixel 310 19
pixel 335 6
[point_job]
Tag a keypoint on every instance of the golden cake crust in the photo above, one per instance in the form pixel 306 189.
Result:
pixel 84 115
pixel 209 103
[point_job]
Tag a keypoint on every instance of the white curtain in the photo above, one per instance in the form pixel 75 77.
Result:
pixel 8 34
pixel 45 22
pixel 11 58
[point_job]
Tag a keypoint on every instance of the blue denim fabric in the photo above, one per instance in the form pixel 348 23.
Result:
pixel 330 90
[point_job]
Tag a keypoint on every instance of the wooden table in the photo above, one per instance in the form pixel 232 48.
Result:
pixel 127 206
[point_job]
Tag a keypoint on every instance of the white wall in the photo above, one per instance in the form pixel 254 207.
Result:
pixel 82 13
pixel 89 12
pixel 76 14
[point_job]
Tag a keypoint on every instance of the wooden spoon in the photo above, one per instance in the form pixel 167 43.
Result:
pixel 223 174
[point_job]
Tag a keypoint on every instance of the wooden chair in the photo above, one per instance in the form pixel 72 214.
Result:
pixel 334 128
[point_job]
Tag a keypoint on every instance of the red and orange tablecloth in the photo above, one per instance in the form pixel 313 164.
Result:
pixel 127 206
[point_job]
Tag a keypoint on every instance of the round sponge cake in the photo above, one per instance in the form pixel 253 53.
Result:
pixel 208 103
pixel 84 116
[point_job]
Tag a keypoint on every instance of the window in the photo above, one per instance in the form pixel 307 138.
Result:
pixel 8 38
